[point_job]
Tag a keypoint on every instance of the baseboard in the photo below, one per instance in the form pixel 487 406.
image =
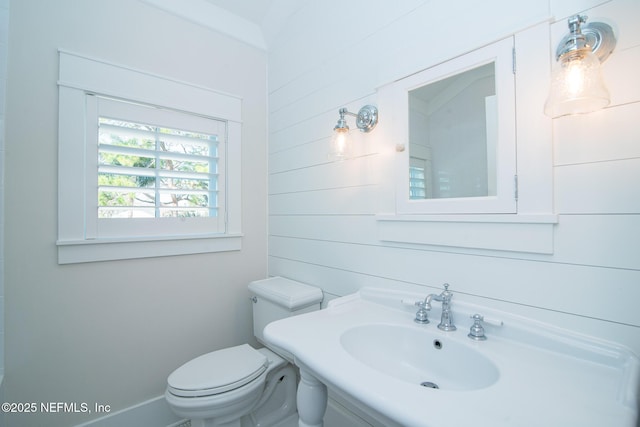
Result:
pixel 152 413
pixel 156 413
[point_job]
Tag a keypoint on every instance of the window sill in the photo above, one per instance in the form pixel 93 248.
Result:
pixel 517 233
pixel 79 251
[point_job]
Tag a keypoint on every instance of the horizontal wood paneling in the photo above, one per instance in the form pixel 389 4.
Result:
pixel 602 187
pixel 348 173
pixel 344 26
pixel 315 154
pixel 608 241
pixel 597 137
pixel 338 201
pixel 611 241
pixel 323 228
pixel 338 282
pixel 582 290
pixel 564 8
pixel 620 71
pixel 360 229
pixel 311 125
pixel 393 31
pixel 332 96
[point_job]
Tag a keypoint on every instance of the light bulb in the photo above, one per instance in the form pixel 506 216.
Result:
pixel 577 85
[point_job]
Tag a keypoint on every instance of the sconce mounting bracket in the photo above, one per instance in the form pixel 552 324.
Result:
pixel 367 118
pixel 598 36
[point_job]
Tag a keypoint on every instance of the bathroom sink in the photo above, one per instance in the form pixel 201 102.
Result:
pixel 367 349
pixel 419 357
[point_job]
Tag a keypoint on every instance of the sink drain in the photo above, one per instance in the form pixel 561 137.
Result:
pixel 429 384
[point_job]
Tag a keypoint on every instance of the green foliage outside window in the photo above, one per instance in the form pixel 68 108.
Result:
pixel 149 171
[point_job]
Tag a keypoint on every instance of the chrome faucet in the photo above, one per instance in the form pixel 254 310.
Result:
pixel 446 320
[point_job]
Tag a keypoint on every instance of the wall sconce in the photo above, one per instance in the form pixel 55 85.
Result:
pixel 366 120
pixel 577 85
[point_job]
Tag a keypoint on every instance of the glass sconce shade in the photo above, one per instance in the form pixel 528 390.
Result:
pixel 340 144
pixel 366 120
pixel 577 85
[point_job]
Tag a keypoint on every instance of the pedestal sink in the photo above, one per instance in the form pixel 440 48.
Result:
pixel 417 356
pixel 367 348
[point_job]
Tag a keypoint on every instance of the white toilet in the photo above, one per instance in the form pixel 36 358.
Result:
pixel 241 386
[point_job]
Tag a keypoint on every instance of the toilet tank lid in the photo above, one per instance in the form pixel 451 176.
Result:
pixel 286 292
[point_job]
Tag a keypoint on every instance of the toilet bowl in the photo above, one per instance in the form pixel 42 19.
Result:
pixel 241 386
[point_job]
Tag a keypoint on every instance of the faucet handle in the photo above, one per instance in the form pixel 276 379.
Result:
pixel 422 315
pixel 424 304
pixel 477 330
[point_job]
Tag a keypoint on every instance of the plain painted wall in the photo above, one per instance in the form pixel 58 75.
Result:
pixel 323 227
pixel 4 48
pixel 111 332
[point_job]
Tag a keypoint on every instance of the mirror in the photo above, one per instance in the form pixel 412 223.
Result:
pixel 453 125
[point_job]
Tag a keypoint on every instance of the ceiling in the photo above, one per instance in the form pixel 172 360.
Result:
pixel 256 22
pixel 251 10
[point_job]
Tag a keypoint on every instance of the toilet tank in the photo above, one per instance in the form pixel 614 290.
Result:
pixel 278 298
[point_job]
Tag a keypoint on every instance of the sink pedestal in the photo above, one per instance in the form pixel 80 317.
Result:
pixel 311 399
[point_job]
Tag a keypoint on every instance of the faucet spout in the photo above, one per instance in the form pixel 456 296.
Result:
pixel 434 297
pixel 429 298
pixel 446 319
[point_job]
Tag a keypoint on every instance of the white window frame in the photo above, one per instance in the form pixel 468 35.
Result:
pixel 79 78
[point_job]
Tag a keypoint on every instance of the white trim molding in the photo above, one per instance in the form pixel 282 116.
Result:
pixel 153 412
pixel 81 76
pixel 517 233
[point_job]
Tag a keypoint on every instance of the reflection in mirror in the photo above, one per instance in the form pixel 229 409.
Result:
pixel 453 136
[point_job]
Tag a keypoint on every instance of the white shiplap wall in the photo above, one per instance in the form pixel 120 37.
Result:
pixel 322 225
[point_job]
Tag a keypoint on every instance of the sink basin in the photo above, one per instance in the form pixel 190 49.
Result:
pixel 367 348
pixel 419 357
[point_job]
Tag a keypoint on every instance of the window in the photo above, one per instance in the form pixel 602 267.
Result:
pixel 156 168
pixel 150 171
pixel 419 187
pixel 154 171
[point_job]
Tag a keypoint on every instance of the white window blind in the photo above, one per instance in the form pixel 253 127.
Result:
pixel 158 171
pixel 147 171
pixel 417 178
pixel 150 171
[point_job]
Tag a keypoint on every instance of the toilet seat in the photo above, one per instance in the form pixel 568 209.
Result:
pixel 217 372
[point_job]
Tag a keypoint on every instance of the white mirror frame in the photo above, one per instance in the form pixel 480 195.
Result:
pixel 501 53
pixel 531 228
